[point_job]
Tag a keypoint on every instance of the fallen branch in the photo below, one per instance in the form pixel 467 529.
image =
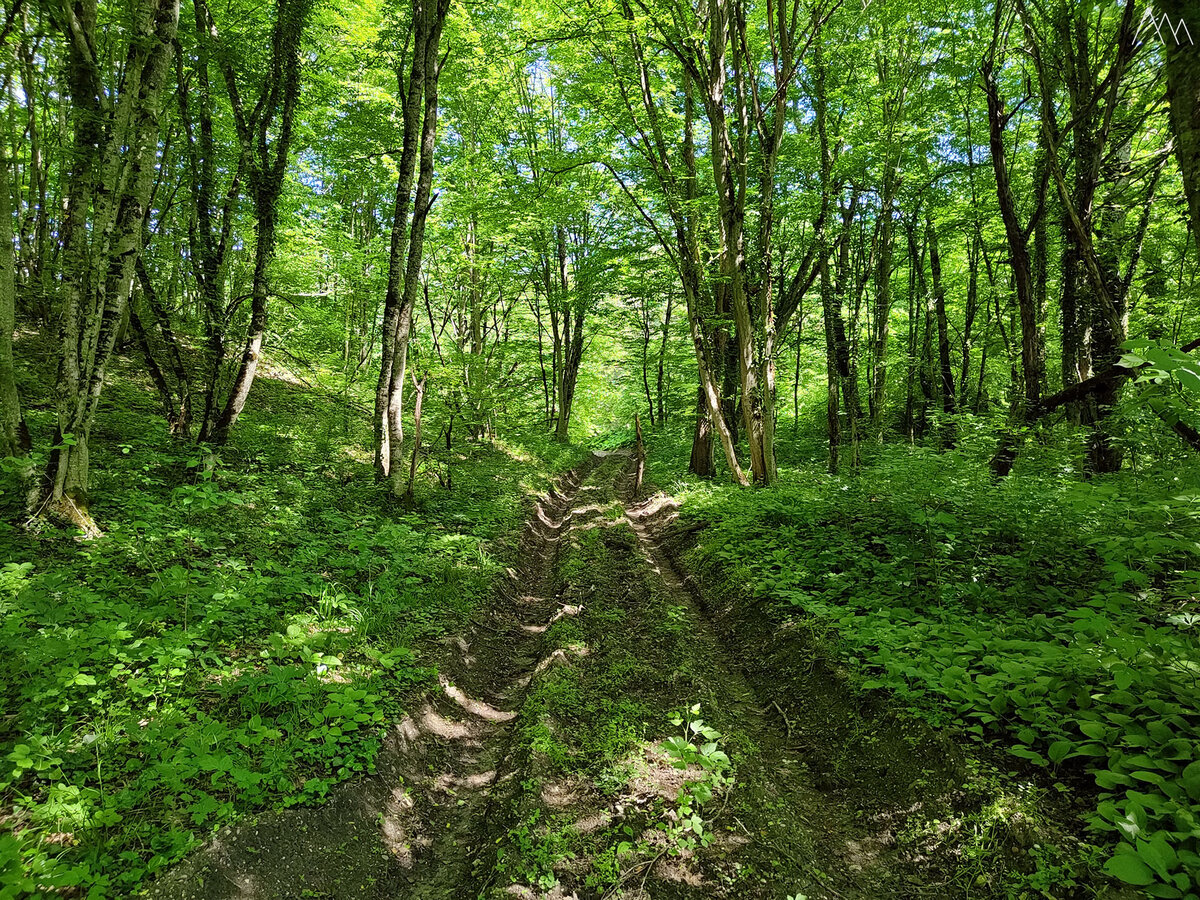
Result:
pixel 1113 376
pixel 783 716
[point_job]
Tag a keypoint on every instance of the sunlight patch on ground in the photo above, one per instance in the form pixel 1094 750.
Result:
pixel 475 707
pixel 561 657
pixel 434 722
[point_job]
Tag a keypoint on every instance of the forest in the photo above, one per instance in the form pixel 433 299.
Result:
pixel 600 449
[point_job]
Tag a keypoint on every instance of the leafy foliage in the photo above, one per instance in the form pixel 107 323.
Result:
pixel 238 638
pixel 933 584
pixel 885 234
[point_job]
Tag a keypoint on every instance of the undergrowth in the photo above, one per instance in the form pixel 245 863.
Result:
pixel 240 636
pixel 604 723
pixel 1054 618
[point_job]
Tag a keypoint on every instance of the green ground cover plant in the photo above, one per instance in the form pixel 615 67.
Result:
pixel 894 302
pixel 1048 617
pixel 239 638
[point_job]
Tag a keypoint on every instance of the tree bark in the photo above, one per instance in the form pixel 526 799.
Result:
pixel 114 153
pixel 14 436
pixel 883 306
pixel 945 370
pixel 179 414
pixel 267 167
pixel 422 202
pixel 412 94
pixel 660 380
pixel 1183 94
pixel 210 230
pixel 419 389
pixel 971 311
pixel 833 422
pixel 702 463
pixel 898 72
pixel 574 299
pixel 1032 359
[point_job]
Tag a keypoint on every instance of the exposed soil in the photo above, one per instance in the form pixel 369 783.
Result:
pixel 407 831
pixel 540 769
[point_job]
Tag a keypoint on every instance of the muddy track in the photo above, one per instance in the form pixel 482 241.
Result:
pixel 537 769
pixel 465 734
pixel 810 835
pixel 415 828
pixel 829 849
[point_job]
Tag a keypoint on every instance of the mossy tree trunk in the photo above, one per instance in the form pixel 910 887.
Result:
pixel 14 436
pixel 113 150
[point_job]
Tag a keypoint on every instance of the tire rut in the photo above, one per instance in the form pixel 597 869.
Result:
pixel 842 859
pixel 462 795
pixel 421 826
pixel 500 659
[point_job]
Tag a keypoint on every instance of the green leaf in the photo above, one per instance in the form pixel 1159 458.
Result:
pixel 1188 378
pixel 1109 780
pixel 1157 854
pixel 1191 779
pixel 1031 755
pixel 1165 891
pixel 1058 751
pixel 1129 869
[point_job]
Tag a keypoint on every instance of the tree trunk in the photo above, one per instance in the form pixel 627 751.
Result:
pixel 14 436
pixel 267 166
pixel 574 305
pixel 182 410
pixel 419 387
pixel 644 314
pixel 847 367
pixel 411 106
pixel 972 310
pixel 1104 455
pixel 114 152
pixel 639 456
pixel 883 307
pixel 833 422
pixel 702 462
pixel 659 387
pixel 895 70
pixel 170 411
pixel 1183 93
pixel 945 370
pixel 210 237
pixel 1032 355
pixel 1074 366
pixel 416 244
pixel 248 366
pixel 711 417
pixel 727 364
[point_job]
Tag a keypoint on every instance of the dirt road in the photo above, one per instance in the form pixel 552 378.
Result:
pixel 597 733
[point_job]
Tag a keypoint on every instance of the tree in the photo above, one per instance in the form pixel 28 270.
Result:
pixel 115 125
pixel 1183 93
pixel 419 100
pixel 265 161
pixel 566 237
pixel 14 435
